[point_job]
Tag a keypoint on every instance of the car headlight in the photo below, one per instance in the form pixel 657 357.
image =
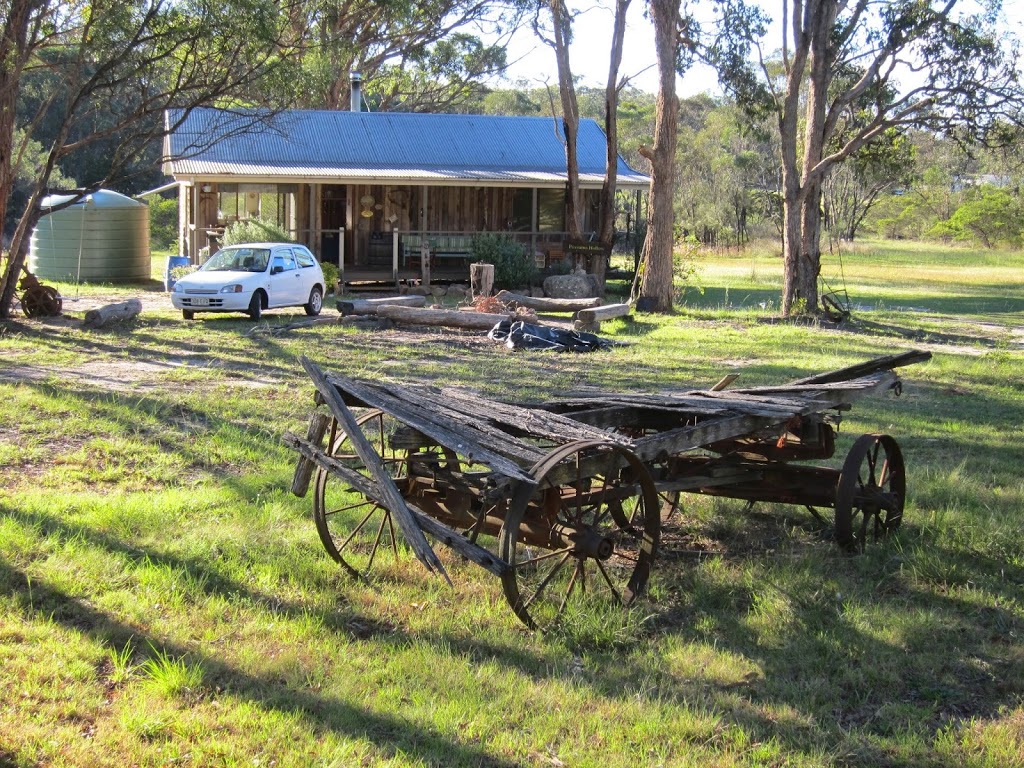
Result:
pixel 235 288
pixel 178 288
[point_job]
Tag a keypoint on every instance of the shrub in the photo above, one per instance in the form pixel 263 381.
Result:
pixel 330 275
pixel 254 231
pixel 513 267
pixel 163 223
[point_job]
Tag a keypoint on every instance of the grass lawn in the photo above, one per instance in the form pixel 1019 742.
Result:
pixel 165 600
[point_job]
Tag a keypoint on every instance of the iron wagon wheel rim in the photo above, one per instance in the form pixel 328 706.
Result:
pixel 370 526
pixel 41 301
pixel 872 486
pixel 556 576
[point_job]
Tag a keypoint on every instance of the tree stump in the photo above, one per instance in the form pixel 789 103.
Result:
pixel 481 279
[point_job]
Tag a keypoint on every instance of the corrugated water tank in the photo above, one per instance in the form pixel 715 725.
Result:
pixel 102 238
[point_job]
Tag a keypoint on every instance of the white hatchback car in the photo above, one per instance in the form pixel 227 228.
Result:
pixel 252 277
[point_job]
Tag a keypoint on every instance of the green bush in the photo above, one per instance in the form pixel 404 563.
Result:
pixel 513 266
pixel 163 224
pixel 330 275
pixel 254 231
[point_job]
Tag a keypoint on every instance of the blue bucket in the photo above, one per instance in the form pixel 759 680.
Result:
pixel 173 262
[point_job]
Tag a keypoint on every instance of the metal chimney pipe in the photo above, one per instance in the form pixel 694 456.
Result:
pixel 356 92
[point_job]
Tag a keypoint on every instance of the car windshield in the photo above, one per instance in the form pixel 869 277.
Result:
pixel 239 260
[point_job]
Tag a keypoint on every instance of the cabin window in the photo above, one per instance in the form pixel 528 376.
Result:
pixel 550 210
pixel 522 210
pixel 271 202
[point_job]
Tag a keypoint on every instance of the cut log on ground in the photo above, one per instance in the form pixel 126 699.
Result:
pixel 361 322
pixel 590 319
pixel 370 306
pixel 112 313
pixel 451 318
pixel 546 304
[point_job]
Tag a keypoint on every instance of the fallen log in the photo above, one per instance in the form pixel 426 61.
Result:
pixel 112 313
pixel 546 304
pixel 451 318
pixel 362 322
pixel 590 319
pixel 370 306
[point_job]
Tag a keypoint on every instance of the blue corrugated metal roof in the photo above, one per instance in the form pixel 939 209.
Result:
pixel 389 145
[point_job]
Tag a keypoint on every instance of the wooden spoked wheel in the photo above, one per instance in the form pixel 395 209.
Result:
pixel 355 529
pixel 582 537
pixel 871 491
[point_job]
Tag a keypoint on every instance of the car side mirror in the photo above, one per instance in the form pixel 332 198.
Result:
pixel 277 269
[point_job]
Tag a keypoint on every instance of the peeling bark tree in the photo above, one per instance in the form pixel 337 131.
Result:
pixel 840 91
pixel 652 287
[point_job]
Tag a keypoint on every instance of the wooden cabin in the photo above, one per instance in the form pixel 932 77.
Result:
pixel 386 196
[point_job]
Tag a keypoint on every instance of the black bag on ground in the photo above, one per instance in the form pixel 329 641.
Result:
pixel 520 335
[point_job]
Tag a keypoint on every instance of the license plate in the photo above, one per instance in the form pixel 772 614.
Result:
pixel 197 302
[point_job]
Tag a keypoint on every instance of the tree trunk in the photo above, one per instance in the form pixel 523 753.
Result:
pixel 606 233
pixel 14 49
pixel 653 287
pixel 801 245
pixel 562 23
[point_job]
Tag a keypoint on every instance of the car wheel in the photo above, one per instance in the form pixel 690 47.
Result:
pixel 256 306
pixel 188 314
pixel 315 303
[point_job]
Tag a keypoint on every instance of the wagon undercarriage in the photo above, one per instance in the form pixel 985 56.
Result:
pixel 564 501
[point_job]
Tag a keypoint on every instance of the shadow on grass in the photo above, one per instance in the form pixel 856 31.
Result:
pixel 394 736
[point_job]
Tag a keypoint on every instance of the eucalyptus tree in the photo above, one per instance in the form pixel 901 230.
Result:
pixel 851 71
pixel 653 285
pixel 414 55
pixel 557 33
pixel 114 67
pixel 856 186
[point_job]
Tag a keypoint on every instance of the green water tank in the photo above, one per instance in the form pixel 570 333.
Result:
pixel 102 238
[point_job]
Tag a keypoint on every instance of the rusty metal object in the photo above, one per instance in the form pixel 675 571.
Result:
pixel 38 300
pixel 602 533
pixel 871 492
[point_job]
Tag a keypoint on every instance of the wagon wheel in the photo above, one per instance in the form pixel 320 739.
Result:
pixel 41 301
pixel 591 538
pixel 871 491
pixel 353 527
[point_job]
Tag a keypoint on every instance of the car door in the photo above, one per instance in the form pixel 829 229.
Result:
pixel 307 266
pixel 285 280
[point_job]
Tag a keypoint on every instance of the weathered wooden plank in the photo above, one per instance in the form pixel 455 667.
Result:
pixel 418 419
pixel 392 498
pixel 888 362
pixel 530 421
pixel 456 541
pixel 304 469
pixel 676 441
pixel 476 425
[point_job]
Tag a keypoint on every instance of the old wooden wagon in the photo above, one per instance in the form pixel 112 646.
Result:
pixel 563 501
